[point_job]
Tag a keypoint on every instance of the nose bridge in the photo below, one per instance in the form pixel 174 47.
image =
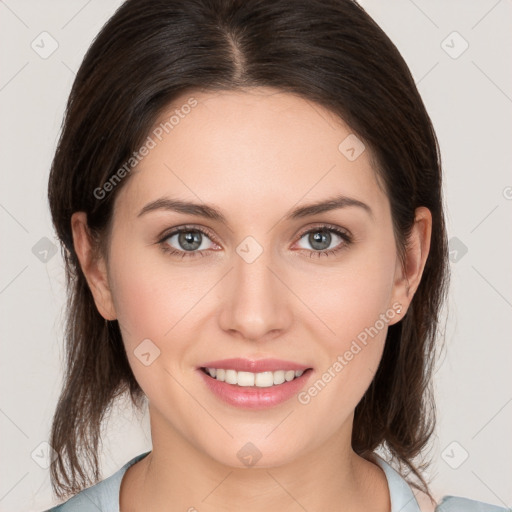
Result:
pixel 256 304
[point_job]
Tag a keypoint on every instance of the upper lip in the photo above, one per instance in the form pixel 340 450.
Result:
pixel 254 366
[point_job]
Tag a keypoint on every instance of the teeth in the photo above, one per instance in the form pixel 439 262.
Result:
pixel 279 377
pixel 249 379
pixel 231 377
pixel 244 379
pixel 264 379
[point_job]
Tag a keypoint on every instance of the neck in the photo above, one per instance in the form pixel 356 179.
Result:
pixel 329 476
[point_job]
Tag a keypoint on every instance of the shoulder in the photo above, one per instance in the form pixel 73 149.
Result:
pixel 403 499
pixel 454 504
pixel 101 496
pixel 459 504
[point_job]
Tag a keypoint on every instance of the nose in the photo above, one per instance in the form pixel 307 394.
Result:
pixel 255 304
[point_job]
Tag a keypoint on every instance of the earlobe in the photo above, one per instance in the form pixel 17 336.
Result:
pixel 93 267
pixel 418 246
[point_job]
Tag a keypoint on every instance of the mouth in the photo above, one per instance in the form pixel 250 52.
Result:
pixel 245 379
pixel 254 384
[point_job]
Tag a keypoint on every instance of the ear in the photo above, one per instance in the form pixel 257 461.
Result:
pixel 418 245
pixel 93 266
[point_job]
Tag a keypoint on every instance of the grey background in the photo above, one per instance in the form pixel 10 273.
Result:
pixel 468 95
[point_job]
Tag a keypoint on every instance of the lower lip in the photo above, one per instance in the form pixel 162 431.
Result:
pixel 254 397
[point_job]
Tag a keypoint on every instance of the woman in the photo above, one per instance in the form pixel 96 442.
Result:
pixel 249 197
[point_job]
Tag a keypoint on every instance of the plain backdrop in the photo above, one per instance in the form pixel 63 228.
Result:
pixel 459 53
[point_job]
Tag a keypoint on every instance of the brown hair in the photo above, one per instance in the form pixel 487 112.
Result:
pixel 327 51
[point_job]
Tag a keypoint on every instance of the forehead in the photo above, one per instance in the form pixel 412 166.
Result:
pixel 249 150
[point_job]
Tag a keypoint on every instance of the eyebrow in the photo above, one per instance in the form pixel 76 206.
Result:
pixel 211 212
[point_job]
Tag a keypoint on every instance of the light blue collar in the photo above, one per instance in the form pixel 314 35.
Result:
pixel 400 493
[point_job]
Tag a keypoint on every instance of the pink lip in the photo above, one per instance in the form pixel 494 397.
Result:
pixel 254 397
pixel 262 365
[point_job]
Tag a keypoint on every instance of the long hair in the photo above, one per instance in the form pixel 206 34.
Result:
pixel 327 51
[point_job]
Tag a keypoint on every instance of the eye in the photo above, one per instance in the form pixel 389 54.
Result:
pixel 186 242
pixel 192 241
pixel 321 238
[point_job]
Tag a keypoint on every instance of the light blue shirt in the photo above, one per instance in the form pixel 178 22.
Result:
pixel 104 496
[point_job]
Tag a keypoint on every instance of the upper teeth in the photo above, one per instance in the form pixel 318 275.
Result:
pixel 247 379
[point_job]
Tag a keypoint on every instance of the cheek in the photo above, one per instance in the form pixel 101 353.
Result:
pixel 353 311
pixel 156 300
pixel 348 359
pixel 140 307
pixel 350 298
pixel 151 303
pixel 150 294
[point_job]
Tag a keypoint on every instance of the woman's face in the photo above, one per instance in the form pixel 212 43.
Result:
pixel 254 281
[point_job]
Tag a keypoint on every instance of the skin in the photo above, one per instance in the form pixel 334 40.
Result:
pixel 254 154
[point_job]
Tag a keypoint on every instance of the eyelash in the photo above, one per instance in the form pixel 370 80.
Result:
pixel 187 254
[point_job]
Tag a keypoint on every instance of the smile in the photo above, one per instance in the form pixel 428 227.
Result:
pixel 250 379
pixel 249 384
